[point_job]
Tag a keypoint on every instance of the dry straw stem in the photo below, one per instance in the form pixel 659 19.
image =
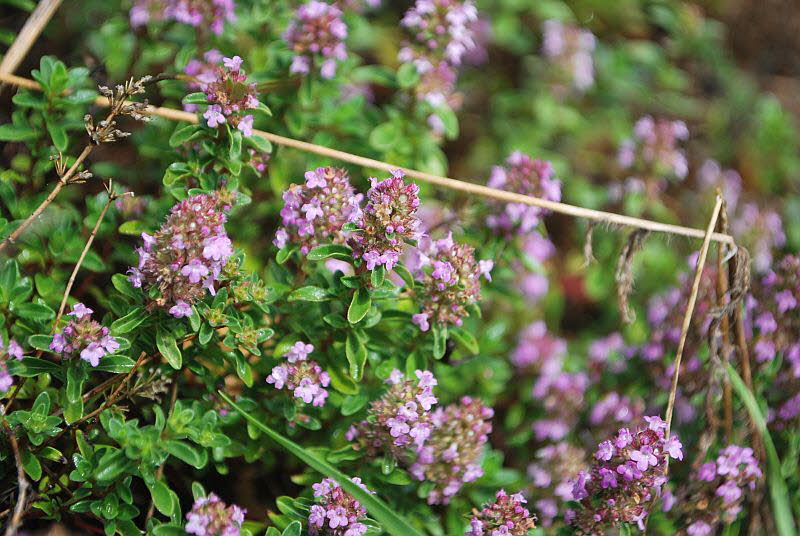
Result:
pixel 687 317
pixel 453 184
pixel 36 22
pixel 22 482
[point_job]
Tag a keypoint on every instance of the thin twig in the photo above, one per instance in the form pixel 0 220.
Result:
pixel 453 184
pixel 687 317
pixel 62 181
pixel 111 198
pixel 36 22
pixel 115 394
pixel 22 483
pixel 725 325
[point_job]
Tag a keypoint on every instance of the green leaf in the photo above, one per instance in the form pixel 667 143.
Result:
pixel 465 339
pixel 405 275
pixel 38 312
pixel 380 511
pixel 9 132
pixel 184 134
pixel 166 344
pixel 407 76
pixel 294 529
pixel 41 406
pixel 58 134
pixel 76 377
pixel 168 529
pixel 196 98
pixel 31 367
pixel 439 340
pixel 124 286
pixel 132 228
pixel 353 403
pixel 385 136
pixel 258 143
pixel 161 497
pixel 186 453
pixel 235 149
pixel 116 364
pixel 359 306
pixel 778 490
pixel 73 411
pixel 40 342
pixel 356 356
pixel 309 293
pixel 331 251
pixel 31 464
pixel 377 276
pixel 284 254
pixel 111 465
pixel 129 322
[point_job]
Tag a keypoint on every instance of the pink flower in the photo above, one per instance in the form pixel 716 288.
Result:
pixel 214 116
pixel 181 309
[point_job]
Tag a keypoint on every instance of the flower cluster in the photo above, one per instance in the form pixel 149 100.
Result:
pixel 229 95
pixel 400 420
pixel 443 32
pixel 317 30
pixel 450 457
pixel 13 350
pixel 539 350
pixel 305 378
pixel 627 471
pixel 336 513
pixel 198 13
pixel 613 409
pixel 720 488
pixel 505 516
pixel 84 336
pixel 389 219
pixel 777 314
pixel 570 48
pixel 210 516
pixel 551 476
pixel 754 224
pixel 202 73
pixel 561 396
pixel 653 152
pixel 606 354
pixel 450 281
pixel 314 213
pixel 185 257
pixel 523 175
pixel 531 275
pixel 665 317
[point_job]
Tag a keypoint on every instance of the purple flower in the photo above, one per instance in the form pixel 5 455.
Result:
pixel 79 310
pixel 338 509
pixel 729 492
pixel 181 309
pixel 699 528
pixel 674 448
pixel 210 516
pixel 214 116
pixel 421 320
pixel 707 472
pixel 644 458
pixel 605 451
pixel 14 349
pixel 85 337
pixel 524 175
pixel 187 254
pixel 317 31
pixel 246 125
pixel 233 63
